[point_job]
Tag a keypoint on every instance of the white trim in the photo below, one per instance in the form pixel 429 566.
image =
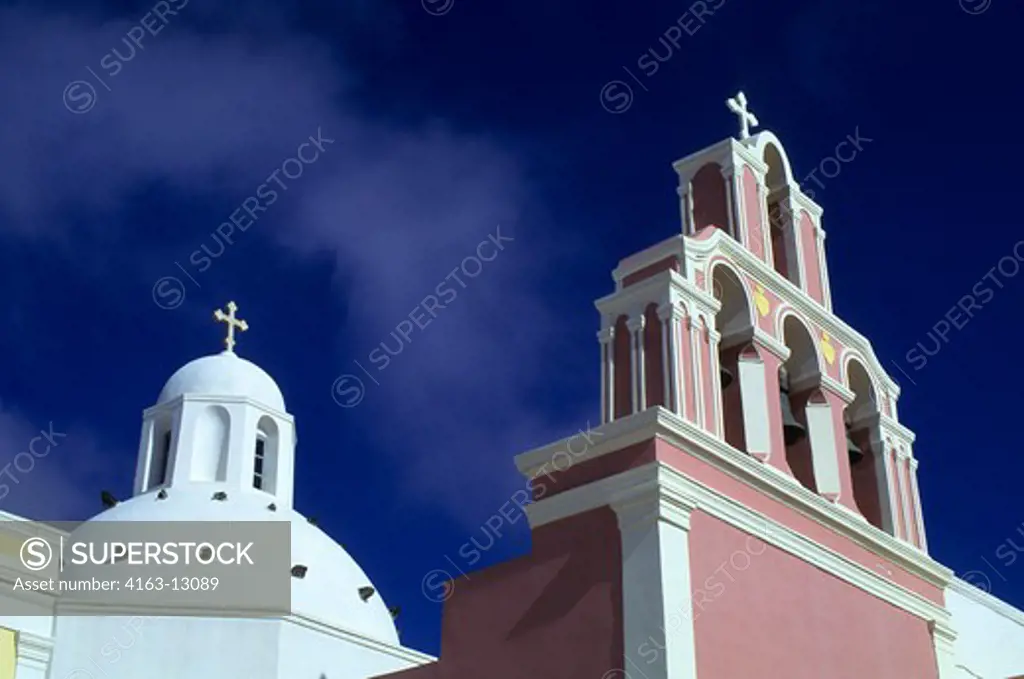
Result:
pixel 614 489
pixel 921 539
pixel 653 526
pixel 901 476
pixel 661 423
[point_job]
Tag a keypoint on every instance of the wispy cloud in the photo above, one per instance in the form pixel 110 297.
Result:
pixel 395 207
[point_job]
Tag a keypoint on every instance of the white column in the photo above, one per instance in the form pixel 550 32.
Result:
pixel 656 602
pixel 766 226
pixel 714 338
pixel 696 353
pixel 943 640
pixel 732 202
pixel 885 483
pixel 901 481
pixel 666 372
pixel 754 399
pixel 636 343
pixel 826 295
pixel 606 338
pixel 919 513
pixel 686 208
pixel 674 320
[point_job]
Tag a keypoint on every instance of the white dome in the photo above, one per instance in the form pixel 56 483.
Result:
pixel 223 374
pixel 329 592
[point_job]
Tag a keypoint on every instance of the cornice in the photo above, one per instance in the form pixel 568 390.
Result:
pixel 233 400
pixel 660 423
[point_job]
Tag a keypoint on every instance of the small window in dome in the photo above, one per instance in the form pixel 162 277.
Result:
pixel 257 476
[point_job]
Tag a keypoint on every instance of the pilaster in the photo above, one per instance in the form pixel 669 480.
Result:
pixel 657 619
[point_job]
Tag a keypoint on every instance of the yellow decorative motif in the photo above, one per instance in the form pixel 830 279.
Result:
pixel 827 350
pixel 8 653
pixel 763 304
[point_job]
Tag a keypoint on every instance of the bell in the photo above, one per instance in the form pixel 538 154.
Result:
pixel 792 431
pixel 726 376
pixel 852 449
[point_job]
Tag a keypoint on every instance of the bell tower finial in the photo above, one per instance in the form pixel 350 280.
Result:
pixel 232 323
pixel 738 105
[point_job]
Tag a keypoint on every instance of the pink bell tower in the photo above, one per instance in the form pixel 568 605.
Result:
pixel 749 505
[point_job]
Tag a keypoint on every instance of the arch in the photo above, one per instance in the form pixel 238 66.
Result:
pixel 623 388
pixel 778 204
pixel 653 371
pixel 735 323
pixel 762 142
pixel 736 317
pixel 710 198
pixel 266 455
pixel 800 382
pixel 161 444
pixel 868 472
pixel 210 445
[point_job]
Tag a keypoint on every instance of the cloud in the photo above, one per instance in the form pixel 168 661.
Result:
pixel 398 208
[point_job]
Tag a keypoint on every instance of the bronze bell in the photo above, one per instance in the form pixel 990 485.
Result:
pixel 726 376
pixel 792 431
pixel 852 449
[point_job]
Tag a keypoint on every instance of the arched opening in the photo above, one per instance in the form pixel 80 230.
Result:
pixel 160 452
pixel 799 380
pixel 623 369
pixel 733 322
pixel 780 219
pixel 867 466
pixel 653 371
pixel 710 199
pixel 265 456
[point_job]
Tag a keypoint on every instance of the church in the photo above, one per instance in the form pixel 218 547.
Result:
pixel 749 506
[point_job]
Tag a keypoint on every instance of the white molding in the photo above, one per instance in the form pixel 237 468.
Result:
pixel 663 424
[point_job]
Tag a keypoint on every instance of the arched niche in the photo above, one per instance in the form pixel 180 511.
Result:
pixel 710 199
pixel 867 461
pixel 267 455
pixel 734 321
pixel 211 434
pixel 799 380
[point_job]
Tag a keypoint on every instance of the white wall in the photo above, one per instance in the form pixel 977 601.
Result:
pixel 990 634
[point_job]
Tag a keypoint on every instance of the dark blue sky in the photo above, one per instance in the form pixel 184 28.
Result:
pixel 444 126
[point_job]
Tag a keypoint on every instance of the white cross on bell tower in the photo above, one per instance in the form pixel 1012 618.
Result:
pixel 738 105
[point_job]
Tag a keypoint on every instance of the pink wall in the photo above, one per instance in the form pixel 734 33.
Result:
pixel 554 613
pixel 669 263
pixel 748 496
pixel 759 611
pixel 809 246
pixel 654 377
pixel 752 209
